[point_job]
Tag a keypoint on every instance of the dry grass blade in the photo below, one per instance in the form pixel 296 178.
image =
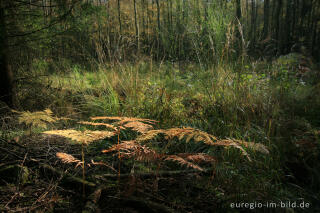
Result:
pixel 83 137
pixel 66 158
pixel 183 162
pixel 98 124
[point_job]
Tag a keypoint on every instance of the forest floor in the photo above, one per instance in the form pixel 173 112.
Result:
pixel 210 138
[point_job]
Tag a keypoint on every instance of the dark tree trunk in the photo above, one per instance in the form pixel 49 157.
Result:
pixel 287 35
pixel 253 22
pixel 238 5
pixel 6 81
pixel 266 19
pixel 119 16
pixel 278 20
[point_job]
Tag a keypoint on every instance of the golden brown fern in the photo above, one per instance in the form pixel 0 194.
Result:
pixel 83 137
pixel 133 149
pixel 254 146
pixel 67 158
pixel 200 136
pixel 183 162
pixel 140 125
pixel 198 157
pixel 98 124
pixel 230 143
pixel 181 133
pixel 125 119
pixel 37 119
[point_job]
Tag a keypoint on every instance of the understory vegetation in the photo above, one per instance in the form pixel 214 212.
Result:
pixel 161 106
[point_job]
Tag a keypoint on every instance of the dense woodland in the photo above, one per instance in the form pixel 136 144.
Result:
pixel 159 105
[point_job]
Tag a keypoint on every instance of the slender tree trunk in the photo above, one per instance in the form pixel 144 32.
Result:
pixel 143 9
pixel 278 20
pixel 158 15
pixel 119 17
pixel 136 25
pixel 159 28
pixel 238 12
pixel 253 22
pixel 266 19
pixel 287 35
pixel 6 75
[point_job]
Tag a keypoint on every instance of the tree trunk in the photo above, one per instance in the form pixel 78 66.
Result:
pixel 238 6
pixel 278 20
pixel 136 25
pixel 266 19
pixel 253 22
pixel 6 81
pixel 119 17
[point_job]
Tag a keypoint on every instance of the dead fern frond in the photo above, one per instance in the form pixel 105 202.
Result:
pixel 83 137
pixel 231 143
pixel 37 119
pixel 183 162
pixel 151 134
pixel 123 120
pixel 137 151
pixel 102 164
pixel 66 158
pixel 98 124
pixel 140 125
pixel 198 157
pixel 200 136
pixel 180 133
pixel 254 146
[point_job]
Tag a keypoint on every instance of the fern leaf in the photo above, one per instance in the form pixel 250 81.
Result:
pixel 231 143
pixel 123 120
pixel 135 150
pixel 183 162
pixel 37 119
pixel 98 124
pixel 66 158
pixel 83 137
pixel 198 157
pixel 138 126
pixel 255 146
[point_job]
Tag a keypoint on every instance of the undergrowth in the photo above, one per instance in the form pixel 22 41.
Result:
pixel 222 105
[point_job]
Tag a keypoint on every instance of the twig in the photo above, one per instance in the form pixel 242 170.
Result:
pixel 159 173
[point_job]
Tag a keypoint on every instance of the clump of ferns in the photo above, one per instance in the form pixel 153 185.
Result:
pixel 138 150
pixel 88 136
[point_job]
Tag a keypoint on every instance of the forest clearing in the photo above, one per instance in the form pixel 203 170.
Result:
pixel 160 106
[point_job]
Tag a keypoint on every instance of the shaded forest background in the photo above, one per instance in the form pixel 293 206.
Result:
pixel 206 32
